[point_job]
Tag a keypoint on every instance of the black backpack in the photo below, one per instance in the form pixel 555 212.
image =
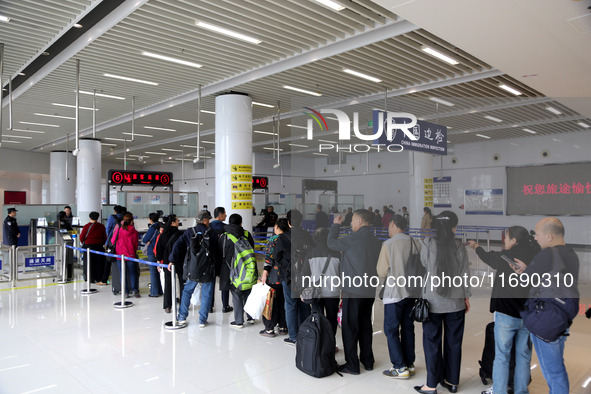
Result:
pixel 315 346
pixel 199 265
pixel 414 268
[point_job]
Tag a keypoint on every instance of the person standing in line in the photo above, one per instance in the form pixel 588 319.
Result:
pixel 427 218
pixel 405 214
pixel 442 255
pixel 217 225
pixel 506 303
pixel 550 234
pixel 235 229
pixel 398 302
pixel 322 219
pixel 126 240
pixel 11 232
pixel 360 250
pixel 348 218
pixel 93 236
pixel 166 241
pixel 149 240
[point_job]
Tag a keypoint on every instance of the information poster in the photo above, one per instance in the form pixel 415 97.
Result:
pixel 441 193
pixel 241 186
pixel 155 199
pixel 428 188
pixel 484 202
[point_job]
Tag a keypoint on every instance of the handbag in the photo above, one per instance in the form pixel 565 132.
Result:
pixel 420 310
pixel 268 309
pixel 549 312
pixel 111 248
pixel 315 291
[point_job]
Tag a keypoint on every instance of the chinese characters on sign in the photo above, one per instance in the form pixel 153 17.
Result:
pixel 39 261
pixel 556 188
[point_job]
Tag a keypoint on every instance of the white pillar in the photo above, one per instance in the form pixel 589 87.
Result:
pixel 62 190
pixel 89 178
pixel 35 191
pixel 420 169
pixel 233 155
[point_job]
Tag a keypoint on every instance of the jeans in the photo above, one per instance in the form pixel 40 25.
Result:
pixel 400 332
pixel 506 329
pixel 206 298
pixel 295 312
pixel 132 277
pixel 156 287
pixel 550 356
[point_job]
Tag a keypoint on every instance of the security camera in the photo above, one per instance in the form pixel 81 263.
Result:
pixel 162 161
pixel 196 160
pixel 140 158
pixel 276 165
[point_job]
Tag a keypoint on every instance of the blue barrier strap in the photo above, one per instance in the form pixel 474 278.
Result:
pixel 118 257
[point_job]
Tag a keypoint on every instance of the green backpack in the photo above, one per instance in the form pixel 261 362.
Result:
pixel 243 272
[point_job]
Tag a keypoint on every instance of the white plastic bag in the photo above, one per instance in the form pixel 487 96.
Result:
pixel 196 297
pixel 256 300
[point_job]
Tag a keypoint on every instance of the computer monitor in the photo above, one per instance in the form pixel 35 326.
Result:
pixel 42 222
pixel 76 221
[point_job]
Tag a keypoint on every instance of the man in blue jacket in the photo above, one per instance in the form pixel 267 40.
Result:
pixel 11 231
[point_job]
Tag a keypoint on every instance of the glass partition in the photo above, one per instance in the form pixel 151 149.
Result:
pixel 142 202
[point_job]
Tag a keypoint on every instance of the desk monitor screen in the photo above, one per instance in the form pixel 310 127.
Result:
pixel 75 221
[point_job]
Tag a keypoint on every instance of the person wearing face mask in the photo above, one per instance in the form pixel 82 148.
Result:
pixel 506 303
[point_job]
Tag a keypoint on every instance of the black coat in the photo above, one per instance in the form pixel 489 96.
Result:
pixel 227 251
pixel 11 231
pixel 165 244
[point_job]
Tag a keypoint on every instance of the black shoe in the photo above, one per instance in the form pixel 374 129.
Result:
pixel 343 369
pixel 150 295
pixel 368 367
pixel 227 309
pixel 289 341
pixel 452 388
pixel 211 310
pixel 419 389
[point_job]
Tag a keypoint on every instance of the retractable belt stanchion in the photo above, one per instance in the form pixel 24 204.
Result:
pixel 123 304
pixel 88 290
pixel 63 279
pixel 173 325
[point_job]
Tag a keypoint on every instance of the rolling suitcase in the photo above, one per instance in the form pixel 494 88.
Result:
pixel 115 278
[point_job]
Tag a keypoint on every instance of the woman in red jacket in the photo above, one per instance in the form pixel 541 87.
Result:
pixel 93 237
pixel 126 239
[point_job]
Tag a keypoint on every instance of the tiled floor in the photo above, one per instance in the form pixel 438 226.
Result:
pixel 55 340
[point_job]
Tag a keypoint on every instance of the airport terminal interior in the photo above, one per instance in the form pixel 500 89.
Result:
pixel 481 108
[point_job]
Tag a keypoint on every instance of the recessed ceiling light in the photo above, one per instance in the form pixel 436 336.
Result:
pixel 302 90
pixel 102 95
pixel 263 104
pixel 4 18
pixel 281 150
pixel 208 112
pixel 584 125
pixel 330 142
pixel 130 79
pixel 439 55
pixel 483 136
pixel 114 139
pixel 208 142
pixel 29 131
pixel 158 128
pixel 493 119
pixel 156 153
pixel 440 101
pixel 510 89
pixel 296 126
pixel 108 144
pixel 54 116
pixel 361 75
pixel 77 25
pixel 529 131
pixel 264 132
pixel 21 74
pixel 172 150
pixel 40 124
pixel 24 137
pixel 331 4
pixel 139 135
pixel 228 32
pixel 300 146
pixel 172 59
pixel 10 142
pixel 72 106
pixel 320 154
pixel 553 110
pixel 183 121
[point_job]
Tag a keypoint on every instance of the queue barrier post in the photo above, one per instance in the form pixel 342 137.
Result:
pixel 123 304
pixel 173 325
pixel 88 290
pixel 64 279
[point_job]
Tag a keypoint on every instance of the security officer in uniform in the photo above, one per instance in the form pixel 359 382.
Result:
pixel 11 231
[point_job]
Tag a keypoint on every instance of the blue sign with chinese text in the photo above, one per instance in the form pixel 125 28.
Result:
pixel 39 261
pixel 431 137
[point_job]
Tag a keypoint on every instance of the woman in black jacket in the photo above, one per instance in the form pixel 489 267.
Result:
pixel 506 303
pixel 164 245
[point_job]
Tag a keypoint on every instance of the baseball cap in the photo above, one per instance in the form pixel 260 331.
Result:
pixel 203 215
pixel 10 210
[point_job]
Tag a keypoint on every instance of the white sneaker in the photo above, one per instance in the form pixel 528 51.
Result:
pixel 488 391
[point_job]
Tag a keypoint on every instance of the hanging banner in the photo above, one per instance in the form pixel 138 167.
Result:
pixel 430 137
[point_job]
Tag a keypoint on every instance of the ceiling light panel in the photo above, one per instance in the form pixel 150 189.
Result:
pixel 131 79
pixel 439 54
pixel 228 32
pixel 302 90
pixel 172 59
pixel 362 75
pixel 333 5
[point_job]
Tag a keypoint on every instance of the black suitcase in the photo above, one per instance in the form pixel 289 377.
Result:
pixel 488 357
pixel 315 346
pixel 115 278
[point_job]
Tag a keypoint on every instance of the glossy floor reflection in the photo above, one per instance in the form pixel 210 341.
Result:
pixel 55 340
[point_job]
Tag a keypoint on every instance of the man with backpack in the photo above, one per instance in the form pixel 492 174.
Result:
pixel 239 266
pixel 197 248
pixel 217 226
